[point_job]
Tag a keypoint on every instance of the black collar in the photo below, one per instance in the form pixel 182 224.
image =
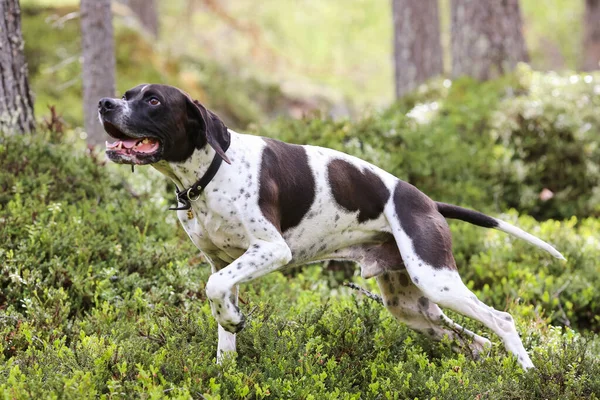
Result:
pixel 185 196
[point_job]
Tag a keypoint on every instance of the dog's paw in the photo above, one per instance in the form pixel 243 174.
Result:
pixel 234 327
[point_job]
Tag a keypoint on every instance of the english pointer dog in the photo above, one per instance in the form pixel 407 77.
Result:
pixel 273 204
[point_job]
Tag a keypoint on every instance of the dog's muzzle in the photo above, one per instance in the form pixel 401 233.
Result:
pixel 106 104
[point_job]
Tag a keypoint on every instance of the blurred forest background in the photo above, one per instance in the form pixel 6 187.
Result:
pixel 493 105
pixel 253 61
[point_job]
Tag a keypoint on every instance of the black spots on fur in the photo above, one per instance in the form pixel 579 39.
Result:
pixel 424 302
pixel 337 217
pixel 426 227
pixel 416 280
pixel 431 332
pixel 446 289
pixel 287 184
pixel 391 287
pixel 356 190
pixel 403 280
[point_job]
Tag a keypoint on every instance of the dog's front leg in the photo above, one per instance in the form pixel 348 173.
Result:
pixel 226 343
pixel 226 340
pixel 261 258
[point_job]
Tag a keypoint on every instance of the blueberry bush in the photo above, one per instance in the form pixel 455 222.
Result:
pixel 102 295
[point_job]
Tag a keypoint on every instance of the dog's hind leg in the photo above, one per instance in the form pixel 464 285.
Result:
pixel 424 240
pixel 408 304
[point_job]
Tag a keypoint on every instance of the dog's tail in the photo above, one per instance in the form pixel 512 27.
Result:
pixel 480 219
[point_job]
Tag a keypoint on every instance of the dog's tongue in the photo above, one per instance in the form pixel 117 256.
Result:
pixel 146 145
pixel 129 143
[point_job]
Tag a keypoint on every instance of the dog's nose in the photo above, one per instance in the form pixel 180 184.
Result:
pixel 106 104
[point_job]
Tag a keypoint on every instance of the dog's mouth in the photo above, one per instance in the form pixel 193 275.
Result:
pixel 127 150
pixel 133 146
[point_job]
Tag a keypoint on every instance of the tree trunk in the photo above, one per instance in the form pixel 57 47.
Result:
pixel 487 38
pixel 147 13
pixel 98 63
pixel 417 45
pixel 16 104
pixel 591 36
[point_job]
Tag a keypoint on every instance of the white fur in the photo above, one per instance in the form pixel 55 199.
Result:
pixel 227 225
pixel 513 230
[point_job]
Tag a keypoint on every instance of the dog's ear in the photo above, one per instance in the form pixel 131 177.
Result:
pixel 215 131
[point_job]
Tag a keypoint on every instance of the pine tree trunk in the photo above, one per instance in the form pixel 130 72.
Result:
pixel 147 13
pixel 591 36
pixel 98 63
pixel 487 37
pixel 16 104
pixel 417 45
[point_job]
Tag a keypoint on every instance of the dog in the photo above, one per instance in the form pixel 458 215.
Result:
pixel 254 205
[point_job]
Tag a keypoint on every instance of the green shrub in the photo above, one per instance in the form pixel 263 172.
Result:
pixel 102 296
pixel 504 269
pixel 490 146
pixel 550 137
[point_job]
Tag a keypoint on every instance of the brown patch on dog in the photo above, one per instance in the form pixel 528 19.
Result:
pixel 357 190
pixel 287 184
pixel 427 228
pixel 374 258
pixel 386 255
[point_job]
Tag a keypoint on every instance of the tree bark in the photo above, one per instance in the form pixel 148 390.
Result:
pixel 98 48
pixel 417 45
pixel 16 104
pixel 147 13
pixel 487 37
pixel 591 36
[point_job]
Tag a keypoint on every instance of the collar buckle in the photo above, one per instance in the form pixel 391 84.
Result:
pixel 185 196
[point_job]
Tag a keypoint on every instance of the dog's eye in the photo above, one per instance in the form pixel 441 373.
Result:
pixel 153 101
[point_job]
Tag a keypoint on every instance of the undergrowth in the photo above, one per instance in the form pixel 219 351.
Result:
pixel 103 296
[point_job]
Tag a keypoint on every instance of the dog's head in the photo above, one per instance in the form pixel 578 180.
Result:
pixel 158 122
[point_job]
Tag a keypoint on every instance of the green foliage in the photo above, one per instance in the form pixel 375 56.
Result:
pixel 53 49
pixel 102 296
pixel 554 33
pixel 506 269
pixel 491 145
